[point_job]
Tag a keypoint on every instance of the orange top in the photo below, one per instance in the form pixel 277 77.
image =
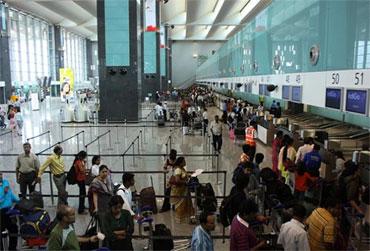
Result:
pixel 301 181
pixel 80 170
pixel 249 136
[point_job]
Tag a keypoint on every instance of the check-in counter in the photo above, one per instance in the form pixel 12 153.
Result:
pixel 67 114
pixel 81 114
pixel 266 131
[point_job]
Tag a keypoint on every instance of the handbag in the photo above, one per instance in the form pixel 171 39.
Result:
pixel 289 165
pixel 89 178
pixel 91 230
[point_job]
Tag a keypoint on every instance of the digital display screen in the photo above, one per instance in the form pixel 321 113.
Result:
pixel 261 90
pixel 333 98
pixel 297 94
pixel 286 92
pixel 356 101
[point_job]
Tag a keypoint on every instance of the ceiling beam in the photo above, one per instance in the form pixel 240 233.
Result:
pixel 88 5
pixel 216 11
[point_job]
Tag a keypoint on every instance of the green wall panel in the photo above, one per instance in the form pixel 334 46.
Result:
pixel 290 28
pixel 150 52
pixel 117 33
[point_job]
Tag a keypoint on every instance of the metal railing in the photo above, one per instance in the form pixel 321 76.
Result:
pixel 42 134
pixel 11 137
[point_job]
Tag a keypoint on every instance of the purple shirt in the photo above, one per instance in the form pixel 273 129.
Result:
pixel 241 236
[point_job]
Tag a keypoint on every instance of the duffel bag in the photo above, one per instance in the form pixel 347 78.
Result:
pixel 34 224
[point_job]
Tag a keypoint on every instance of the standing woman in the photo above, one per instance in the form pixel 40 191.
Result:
pixel 101 189
pixel 80 168
pixel 183 205
pixel 95 165
pixel 117 225
pixel 287 158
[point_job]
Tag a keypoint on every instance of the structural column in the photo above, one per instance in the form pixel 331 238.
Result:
pixel 117 47
pixel 59 51
pixel 151 80
pixel 5 75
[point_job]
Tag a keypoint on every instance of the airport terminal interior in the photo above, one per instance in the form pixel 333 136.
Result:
pixel 185 125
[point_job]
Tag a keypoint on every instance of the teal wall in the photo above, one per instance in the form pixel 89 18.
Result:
pixel 290 28
pixel 150 52
pixel 117 38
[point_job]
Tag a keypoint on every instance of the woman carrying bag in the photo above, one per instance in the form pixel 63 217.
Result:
pixel 179 189
pixel 80 169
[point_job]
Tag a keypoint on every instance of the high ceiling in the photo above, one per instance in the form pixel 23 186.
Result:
pixel 188 19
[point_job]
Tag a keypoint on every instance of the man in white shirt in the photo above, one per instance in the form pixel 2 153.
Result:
pixel 293 235
pixel 306 148
pixel 125 192
pixel 205 121
pixel 216 130
pixel 158 110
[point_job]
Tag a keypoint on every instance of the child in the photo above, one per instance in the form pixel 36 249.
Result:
pixel 19 122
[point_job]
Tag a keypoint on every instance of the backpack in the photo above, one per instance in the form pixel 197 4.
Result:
pixel 165 240
pixel 237 171
pixel 226 210
pixel 71 175
pixel 206 198
pixel 116 189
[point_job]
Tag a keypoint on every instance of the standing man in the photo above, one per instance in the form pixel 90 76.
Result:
pixel 125 191
pixel 63 236
pixel 205 121
pixel 293 235
pixel 277 143
pixel 306 148
pixel 26 170
pixel 312 160
pixel 201 239
pixel 216 130
pixel 250 139
pixel 56 163
pixel 7 199
pixel 321 225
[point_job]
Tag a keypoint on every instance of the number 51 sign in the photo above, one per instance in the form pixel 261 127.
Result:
pixel 349 78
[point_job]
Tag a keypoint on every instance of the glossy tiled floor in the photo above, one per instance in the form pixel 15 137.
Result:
pixel 152 142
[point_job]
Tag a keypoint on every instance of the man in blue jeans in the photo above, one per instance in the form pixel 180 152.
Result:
pixel 7 199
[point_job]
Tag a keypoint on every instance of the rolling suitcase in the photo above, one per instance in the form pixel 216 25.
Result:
pixel 161 120
pixel 147 198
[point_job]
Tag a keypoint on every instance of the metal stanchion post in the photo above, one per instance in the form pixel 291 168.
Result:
pixel 212 160
pixel 123 162
pixel 78 142
pixel 90 133
pixel 117 142
pixel 133 153
pixel 61 132
pixel 138 145
pixel 99 145
pixel 83 138
pixel 49 139
pixel 51 189
pixel 11 139
pixel 217 167
pixel 110 148
pixel 224 184
pixel 164 184
pixel 126 126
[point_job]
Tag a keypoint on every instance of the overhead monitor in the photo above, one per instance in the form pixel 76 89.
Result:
pixel 286 92
pixel 296 94
pixel 333 98
pixel 356 101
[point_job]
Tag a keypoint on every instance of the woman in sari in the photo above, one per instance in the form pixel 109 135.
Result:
pixel 102 191
pixel 183 205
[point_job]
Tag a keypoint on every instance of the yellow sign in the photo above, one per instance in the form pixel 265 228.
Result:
pixel 66 82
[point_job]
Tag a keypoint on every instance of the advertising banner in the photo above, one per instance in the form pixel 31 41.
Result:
pixel 66 82
pixel 150 15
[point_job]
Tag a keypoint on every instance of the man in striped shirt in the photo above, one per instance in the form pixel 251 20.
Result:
pixel 321 226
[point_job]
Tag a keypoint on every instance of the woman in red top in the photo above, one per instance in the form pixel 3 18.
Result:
pixel 80 168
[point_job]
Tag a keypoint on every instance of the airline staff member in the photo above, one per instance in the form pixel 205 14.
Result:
pixel 250 139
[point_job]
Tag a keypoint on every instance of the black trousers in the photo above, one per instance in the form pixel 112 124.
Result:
pixel 9 223
pixel 252 152
pixel 27 180
pixel 205 125
pixel 166 203
pixel 81 204
pixel 217 142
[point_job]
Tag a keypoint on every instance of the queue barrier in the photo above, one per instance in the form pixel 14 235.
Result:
pixel 11 137
pixel 39 135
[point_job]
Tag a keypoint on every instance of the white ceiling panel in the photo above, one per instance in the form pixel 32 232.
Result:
pixel 188 19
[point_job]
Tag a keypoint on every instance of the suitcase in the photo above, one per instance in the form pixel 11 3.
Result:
pixel 34 224
pixel 164 240
pixel 161 121
pixel 147 198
